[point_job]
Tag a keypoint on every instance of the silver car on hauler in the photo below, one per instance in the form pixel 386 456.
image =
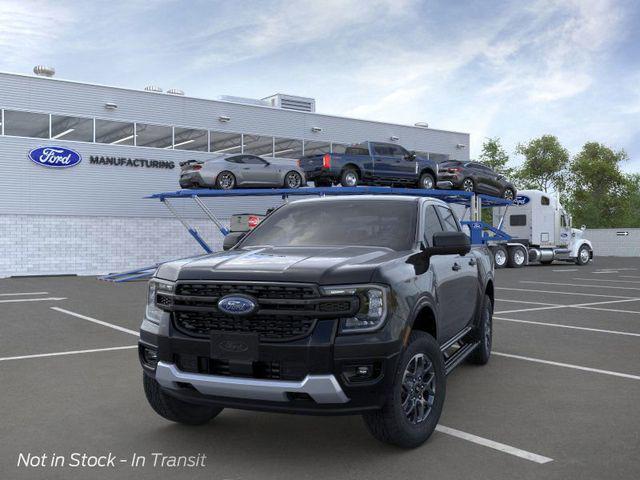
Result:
pixel 241 170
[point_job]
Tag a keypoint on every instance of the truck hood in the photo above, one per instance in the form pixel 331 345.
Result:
pixel 321 265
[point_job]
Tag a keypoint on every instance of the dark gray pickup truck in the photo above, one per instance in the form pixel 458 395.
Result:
pixel 339 305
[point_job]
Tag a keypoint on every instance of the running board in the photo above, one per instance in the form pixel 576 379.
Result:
pixel 463 352
pixel 455 339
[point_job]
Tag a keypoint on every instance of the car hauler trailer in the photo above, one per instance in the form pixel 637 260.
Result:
pixel 540 231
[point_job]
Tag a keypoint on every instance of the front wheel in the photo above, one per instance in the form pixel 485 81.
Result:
pixel 426 181
pixel 415 399
pixel 176 410
pixel 293 180
pixel 584 255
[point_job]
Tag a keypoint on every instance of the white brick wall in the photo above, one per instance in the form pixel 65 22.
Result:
pixel 46 245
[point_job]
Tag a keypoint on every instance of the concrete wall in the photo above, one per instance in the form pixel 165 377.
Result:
pixel 612 242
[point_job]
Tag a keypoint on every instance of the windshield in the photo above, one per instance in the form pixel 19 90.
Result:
pixel 367 222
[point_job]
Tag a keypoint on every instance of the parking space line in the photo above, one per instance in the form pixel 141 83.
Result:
pixel 572 327
pixel 561 293
pixel 578 305
pixel 606 280
pixel 566 270
pixel 629 276
pixel 568 365
pixel 581 285
pixel 95 320
pixel 634 312
pixel 19 300
pixel 485 442
pixel 534 309
pixel 532 303
pixel 72 352
pixel 25 293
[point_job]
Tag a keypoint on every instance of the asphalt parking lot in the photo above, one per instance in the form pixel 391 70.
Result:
pixel 559 398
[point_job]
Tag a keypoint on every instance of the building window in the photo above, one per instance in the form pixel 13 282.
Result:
pixel 26 124
pixel 71 128
pixel 338 147
pixel 190 139
pixel 287 148
pixel 258 145
pixel 225 142
pixel 115 133
pixel 157 136
pixel 316 148
pixel 517 220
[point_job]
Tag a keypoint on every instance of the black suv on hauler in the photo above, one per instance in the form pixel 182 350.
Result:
pixel 337 305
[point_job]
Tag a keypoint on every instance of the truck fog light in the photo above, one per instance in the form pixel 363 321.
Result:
pixel 150 357
pixel 361 373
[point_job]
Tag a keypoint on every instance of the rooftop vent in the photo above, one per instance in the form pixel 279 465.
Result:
pixel 43 71
pixel 244 100
pixel 175 91
pixel 291 102
pixel 422 124
pixel 153 88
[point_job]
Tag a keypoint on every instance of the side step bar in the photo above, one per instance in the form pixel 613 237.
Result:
pixel 464 348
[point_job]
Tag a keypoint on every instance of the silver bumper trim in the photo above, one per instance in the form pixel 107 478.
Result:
pixel 321 388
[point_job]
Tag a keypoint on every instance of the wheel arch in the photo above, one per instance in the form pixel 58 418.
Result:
pixel 430 171
pixel 489 291
pixel 425 320
pixel 353 166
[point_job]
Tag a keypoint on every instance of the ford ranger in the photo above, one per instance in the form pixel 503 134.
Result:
pixel 371 163
pixel 335 305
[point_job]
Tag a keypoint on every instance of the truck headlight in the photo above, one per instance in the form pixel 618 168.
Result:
pixel 156 288
pixel 373 307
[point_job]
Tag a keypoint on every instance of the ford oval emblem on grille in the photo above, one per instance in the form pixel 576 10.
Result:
pixel 237 305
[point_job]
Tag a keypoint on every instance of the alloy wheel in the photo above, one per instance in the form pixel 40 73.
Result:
pixel 467 185
pixel 418 389
pixel 351 179
pixel 508 194
pixel 226 181
pixel 293 180
pixel 427 182
pixel 518 257
pixel 500 257
pixel 584 255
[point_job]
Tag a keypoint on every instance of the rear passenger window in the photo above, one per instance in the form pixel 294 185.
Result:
pixel 431 224
pixel 517 220
pixel 544 200
pixel 356 151
pixel 449 223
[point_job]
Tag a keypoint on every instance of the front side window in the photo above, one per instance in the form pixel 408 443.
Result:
pixel 383 150
pixel 448 220
pixel 26 124
pixel 253 160
pixel 431 224
pixel 237 159
pixel 322 223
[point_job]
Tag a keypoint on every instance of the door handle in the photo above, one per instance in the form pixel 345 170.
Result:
pixel 456 267
pixel 473 262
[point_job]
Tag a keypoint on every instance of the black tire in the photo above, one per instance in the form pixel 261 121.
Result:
pixel 500 256
pixel 468 185
pixel 390 424
pixel 427 182
pixel 349 177
pixel 292 180
pixel 509 194
pixel 546 262
pixel 584 255
pixel 322 183
pixel 226 180
pixel 484 334
pixel 517 257
pixel 176 410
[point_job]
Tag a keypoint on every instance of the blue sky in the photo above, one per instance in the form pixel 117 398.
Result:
pixel 515 69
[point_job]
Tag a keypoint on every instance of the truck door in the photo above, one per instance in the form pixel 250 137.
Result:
pixel 565 229
pixel 383 161
pixel 455 276
pixel 404 166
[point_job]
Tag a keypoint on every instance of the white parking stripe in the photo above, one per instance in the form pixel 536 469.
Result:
pixel 534 309
pixel 629 276
pixel 20 300
pixel 568 365
pixel 72 352
pixel 576 305
pixel 566 270
pixel 581 285
pixel 605 280
pixel 572 327
pixel 95 320
pixel 561 293
pixel 634 312
pixel 485 442
pixel 26 293
pixel 522 301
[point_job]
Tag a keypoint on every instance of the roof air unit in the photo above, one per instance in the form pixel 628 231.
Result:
pixel 175 91
pixel 291 102
pixel 153 88
pixel 43 71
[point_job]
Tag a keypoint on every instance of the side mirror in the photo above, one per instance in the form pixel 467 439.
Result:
pixel 450 243
pixel 232 239
pixel 410 156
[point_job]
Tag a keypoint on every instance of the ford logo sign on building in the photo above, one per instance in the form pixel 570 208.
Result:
pixel 55 157
pixel 236 305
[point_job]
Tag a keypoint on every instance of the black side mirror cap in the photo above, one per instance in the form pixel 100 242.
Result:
pixel 450 243
pixel 232 239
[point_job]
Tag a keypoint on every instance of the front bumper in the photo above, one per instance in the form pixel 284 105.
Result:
pixel 313 373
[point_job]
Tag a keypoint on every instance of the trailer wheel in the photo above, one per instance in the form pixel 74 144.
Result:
pixel 517 257
pixel 500 256
pixel 584 255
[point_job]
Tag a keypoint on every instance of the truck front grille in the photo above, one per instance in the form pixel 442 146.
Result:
pixel 285 311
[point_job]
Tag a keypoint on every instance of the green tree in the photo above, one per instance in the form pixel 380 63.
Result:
pixel 494 156
pixel 600 194
pixel 545 164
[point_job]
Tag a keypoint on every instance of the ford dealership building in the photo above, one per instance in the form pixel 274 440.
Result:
pixel 77 159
